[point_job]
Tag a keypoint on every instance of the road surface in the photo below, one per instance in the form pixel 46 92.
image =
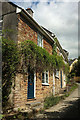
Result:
pixel 68 108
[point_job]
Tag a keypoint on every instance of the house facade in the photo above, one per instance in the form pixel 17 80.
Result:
pixel 33 85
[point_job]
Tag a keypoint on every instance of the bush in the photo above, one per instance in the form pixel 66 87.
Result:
pixel 10 61
pixel 50 101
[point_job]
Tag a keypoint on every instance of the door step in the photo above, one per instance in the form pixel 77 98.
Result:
pixel 31 99
pixel 32 104
pixel 35 105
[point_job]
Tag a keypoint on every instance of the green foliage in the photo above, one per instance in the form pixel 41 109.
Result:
pixel 10 60
pixel 59 62
pixel 38 58
pixel 76 69
pixel 71 89
pixel 27 55
pixel 50 101
pixel 54 49
pixel 66 69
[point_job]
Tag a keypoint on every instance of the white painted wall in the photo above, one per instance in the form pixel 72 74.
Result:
pixel 53 84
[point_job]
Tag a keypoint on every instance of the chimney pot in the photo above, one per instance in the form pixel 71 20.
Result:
pixel 30 11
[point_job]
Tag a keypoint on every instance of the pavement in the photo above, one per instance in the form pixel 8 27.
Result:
pixel 67 108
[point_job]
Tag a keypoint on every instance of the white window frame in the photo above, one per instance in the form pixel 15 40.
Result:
pixel 63 76
pixel 1 21
pixel 40 40
pixel 57 73
pixel 45 80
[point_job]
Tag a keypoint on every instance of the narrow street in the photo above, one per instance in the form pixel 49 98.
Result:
pixel 68 108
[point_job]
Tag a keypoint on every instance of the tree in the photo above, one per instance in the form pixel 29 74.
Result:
pixel 76 68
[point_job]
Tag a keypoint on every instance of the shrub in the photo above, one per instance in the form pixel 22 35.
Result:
pixel 10 61
pixel 50 101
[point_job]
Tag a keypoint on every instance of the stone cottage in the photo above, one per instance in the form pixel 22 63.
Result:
pixel 32 86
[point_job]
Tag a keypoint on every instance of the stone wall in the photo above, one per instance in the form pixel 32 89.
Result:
pixel 23 30
pixel 57 85
pixel 10 21
pixel 27 32
pixel 43 90
pixel 20 92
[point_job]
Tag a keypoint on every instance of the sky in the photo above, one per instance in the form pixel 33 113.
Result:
pixel 58 16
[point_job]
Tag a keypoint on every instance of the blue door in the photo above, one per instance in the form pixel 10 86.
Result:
pixel 61 78
pixel 30 85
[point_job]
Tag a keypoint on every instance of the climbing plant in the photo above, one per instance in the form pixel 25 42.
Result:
pixel 18 58
pixel 10 61
pixel 38 58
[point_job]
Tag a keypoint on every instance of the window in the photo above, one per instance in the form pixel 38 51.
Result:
pixel 1 21
pixel 63 76
pixel 57 73
pixel 40 40
pixel 45 78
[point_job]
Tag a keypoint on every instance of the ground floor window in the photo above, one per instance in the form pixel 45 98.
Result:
pixel 57 73
pixel 63 76
pixel 45 77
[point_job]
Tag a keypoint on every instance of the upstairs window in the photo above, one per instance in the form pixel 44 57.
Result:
pixel 45 77
pixel 40 40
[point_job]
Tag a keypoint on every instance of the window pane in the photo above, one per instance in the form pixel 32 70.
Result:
pixel 39 40
pixel 57 73
pixel 43 81
pixel 46 77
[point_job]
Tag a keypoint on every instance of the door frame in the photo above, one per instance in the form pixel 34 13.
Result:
pixel 34 85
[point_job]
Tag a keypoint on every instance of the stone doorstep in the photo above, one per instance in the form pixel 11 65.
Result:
pixel 37 108
pixel 33 104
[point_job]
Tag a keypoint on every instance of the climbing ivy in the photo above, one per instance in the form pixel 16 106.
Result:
pixel 38 58
pixel 10 61
pixel 18 58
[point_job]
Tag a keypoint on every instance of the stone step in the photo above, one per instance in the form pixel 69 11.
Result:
pixel 37 108
pixel 33 104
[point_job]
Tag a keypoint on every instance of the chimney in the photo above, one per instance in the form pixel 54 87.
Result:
pixel 30 11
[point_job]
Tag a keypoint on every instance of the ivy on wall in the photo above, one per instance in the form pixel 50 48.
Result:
pixel 36 57
pixel 10 61
pixel 39 59
pixel 19 58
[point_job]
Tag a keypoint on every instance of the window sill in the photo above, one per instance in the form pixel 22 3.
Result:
pixel 46 84
pixel 57 77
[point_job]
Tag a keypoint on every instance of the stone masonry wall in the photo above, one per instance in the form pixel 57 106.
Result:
pixel 27 32
pixel 57 85
pixel 20 92
pixel 43 90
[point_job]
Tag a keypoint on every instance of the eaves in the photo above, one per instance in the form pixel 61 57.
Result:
pixel 35 24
